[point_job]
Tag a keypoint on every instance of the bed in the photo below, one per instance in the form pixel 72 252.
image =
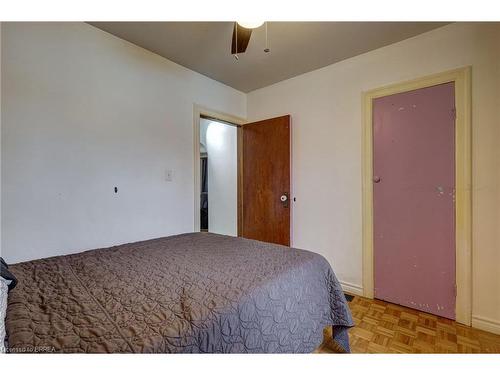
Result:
pixel 189 293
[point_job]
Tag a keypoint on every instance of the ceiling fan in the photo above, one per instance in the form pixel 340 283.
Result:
pixel 242 31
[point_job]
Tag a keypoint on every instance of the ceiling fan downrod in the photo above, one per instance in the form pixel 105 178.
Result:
pixel 241 37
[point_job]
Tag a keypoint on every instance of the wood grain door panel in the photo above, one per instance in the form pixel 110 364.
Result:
pixel 266 177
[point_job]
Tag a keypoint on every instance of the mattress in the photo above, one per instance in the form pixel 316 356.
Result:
pixel 189 293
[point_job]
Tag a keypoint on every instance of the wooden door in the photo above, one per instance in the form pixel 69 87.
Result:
pixel 414 199
pixel 266 202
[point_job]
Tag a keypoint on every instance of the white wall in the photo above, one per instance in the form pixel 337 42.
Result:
pixel 83 112
pixel 325 106
pixel 221 145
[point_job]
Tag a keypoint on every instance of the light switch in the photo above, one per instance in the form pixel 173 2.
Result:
pixel 169 175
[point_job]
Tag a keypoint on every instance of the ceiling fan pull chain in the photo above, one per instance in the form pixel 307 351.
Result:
pixel 266 50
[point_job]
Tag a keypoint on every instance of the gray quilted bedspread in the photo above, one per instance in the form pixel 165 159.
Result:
pixel 188 293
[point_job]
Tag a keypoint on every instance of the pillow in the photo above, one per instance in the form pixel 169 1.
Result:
pixel 4 290
pixel 7 275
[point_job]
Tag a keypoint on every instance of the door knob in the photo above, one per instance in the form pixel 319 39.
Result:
pixel 376 179
pixel 284 200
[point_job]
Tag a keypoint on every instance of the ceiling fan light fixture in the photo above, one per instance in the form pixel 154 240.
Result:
pixel 250 24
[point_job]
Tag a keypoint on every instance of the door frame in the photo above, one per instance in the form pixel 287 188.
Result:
pixel 463 182
pixel 198 112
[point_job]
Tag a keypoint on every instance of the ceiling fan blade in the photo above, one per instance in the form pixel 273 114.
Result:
pixel 241 37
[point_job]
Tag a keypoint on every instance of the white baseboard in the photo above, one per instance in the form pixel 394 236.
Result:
pixel 352 288
pixel 486 324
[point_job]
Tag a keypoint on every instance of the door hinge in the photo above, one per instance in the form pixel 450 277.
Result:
pixel 454 113
pixel 455 287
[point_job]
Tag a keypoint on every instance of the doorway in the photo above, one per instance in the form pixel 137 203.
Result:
pixel 261 157
pixel 218 176
pixel 447 249
pixel 200 115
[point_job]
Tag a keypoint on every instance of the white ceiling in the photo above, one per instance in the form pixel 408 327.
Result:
pixel 296 47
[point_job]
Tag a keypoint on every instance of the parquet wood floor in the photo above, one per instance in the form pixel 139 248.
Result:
pixel 382 327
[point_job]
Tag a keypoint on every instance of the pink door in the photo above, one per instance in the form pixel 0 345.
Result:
pixel 413 199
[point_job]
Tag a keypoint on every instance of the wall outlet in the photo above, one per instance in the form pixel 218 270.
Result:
pixel 169 175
